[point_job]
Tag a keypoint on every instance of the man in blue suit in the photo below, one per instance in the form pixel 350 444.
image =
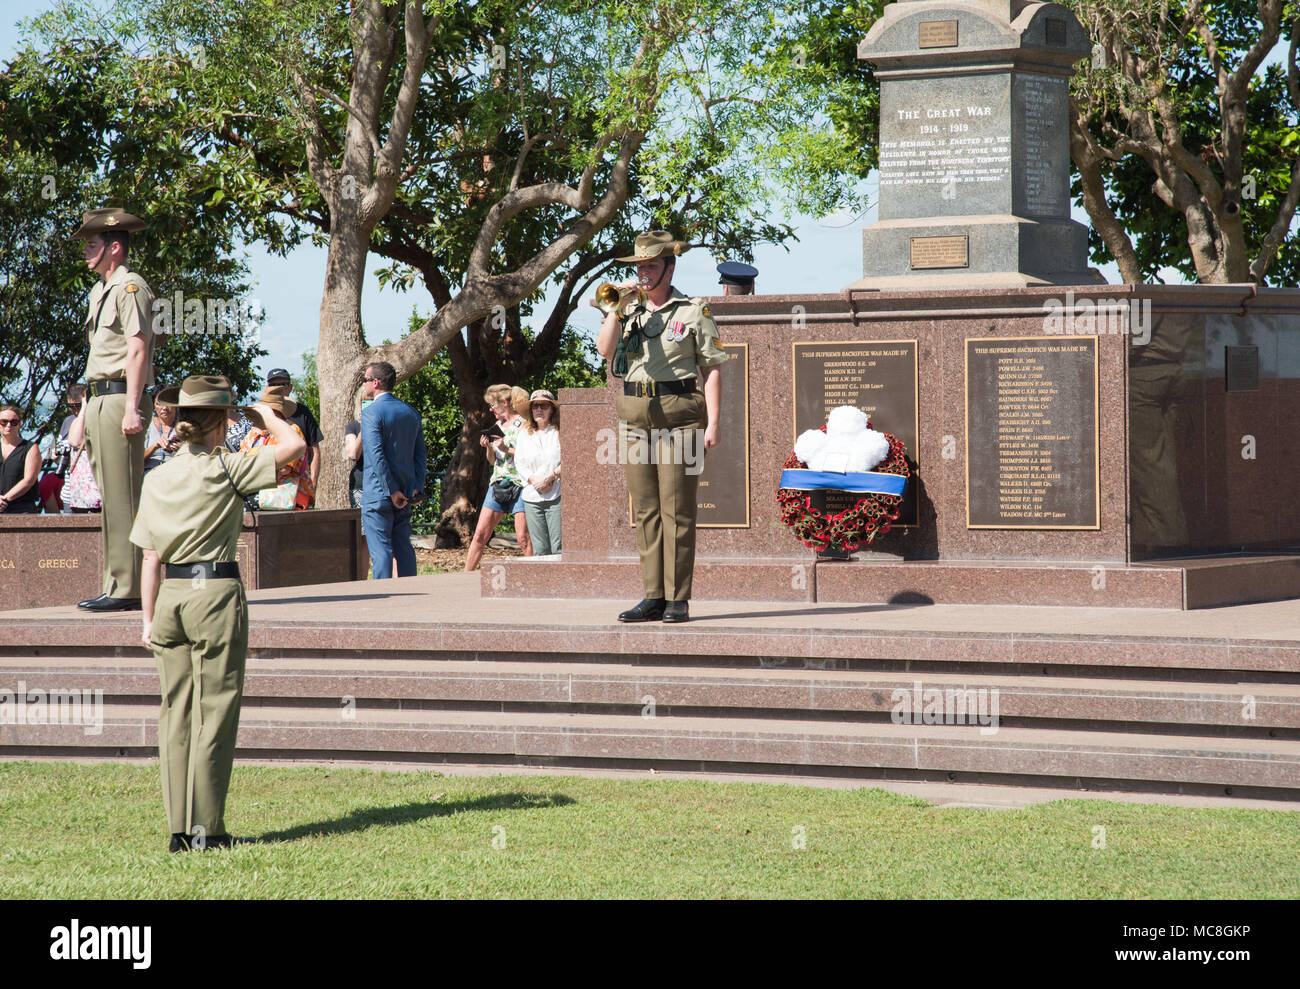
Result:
pixel 392 445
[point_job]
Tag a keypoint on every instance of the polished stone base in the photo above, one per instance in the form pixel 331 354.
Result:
pixel 1207 582
pixel 55 559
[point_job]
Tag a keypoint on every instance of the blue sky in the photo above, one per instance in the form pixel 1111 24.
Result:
pixel 825 259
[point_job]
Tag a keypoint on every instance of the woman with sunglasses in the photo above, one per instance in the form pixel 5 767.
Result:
pixel 20 467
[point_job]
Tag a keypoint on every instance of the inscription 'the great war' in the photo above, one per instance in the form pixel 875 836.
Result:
pixel 940 113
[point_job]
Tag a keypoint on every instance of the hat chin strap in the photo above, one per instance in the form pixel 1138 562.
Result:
pixel 103 246
pixel 662 274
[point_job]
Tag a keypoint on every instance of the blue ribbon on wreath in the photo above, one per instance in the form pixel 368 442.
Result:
pixel 857 482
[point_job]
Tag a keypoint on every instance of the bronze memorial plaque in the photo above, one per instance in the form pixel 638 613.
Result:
pixel 936 34
pixel 723 498
pixel 1241 369
pixel 879 377
pixel 1031 433
pixel 939 252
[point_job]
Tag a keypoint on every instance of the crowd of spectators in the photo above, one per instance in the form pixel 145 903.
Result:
pixel 523 449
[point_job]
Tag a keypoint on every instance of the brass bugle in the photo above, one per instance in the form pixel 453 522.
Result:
pixel 610 298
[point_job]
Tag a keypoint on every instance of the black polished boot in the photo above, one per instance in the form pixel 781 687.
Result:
pixel 676 611
pixel 649 610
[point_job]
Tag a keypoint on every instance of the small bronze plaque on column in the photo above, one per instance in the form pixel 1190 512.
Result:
pixel 877 376
pixel 936 34
pixel 1031 433
pixel 1241 369
pixel 939 252
pixel 722 501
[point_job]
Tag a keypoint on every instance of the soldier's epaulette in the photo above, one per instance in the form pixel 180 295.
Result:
pixel 703 306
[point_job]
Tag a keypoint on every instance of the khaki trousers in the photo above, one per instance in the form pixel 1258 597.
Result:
pixel 200 641
pixel 117 462
pixel 661 444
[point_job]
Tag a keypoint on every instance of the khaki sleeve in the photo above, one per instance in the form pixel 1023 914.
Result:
pixel 708 346
pixel 140 534
pixel 135 307
pixel 252 471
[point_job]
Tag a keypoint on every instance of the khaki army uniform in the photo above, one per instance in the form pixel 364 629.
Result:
pixel 120 307
pixel 661 436
pixel 191 509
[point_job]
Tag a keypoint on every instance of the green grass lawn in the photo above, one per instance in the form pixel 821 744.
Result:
pixel 98 831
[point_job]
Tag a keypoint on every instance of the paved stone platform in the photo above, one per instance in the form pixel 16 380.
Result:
pixel 426 672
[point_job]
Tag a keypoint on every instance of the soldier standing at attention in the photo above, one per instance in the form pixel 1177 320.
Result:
pixel 120 332
pixel 195 611
pixel 656 347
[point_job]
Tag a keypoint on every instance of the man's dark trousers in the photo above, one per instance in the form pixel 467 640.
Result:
pixel 388 537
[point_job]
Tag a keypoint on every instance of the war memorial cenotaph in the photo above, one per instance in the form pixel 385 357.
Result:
pixel 1072 442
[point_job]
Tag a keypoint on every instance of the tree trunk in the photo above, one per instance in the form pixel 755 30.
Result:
pixel 340 357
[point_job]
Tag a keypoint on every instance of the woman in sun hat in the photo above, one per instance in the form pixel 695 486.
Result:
pixel 537 458
pixel 294 488
pixel 195 611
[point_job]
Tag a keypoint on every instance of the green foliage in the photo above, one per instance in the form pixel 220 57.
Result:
pixel 1153 31
pixel 306 387
pixel 751 108
pixel 74 137
pixel 432 392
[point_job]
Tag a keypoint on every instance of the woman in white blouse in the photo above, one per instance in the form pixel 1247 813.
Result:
pixel 537 458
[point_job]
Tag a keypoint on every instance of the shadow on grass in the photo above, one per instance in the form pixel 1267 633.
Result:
pixel 360 820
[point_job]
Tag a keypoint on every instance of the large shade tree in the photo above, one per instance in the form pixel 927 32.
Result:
pixel 486 148
pixel 1185 134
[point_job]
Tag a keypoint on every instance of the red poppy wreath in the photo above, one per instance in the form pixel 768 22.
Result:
pixel 844 455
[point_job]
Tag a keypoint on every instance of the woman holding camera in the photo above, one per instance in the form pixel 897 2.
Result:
pixel 506 489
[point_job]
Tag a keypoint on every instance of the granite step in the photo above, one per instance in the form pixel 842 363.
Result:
pixel 1243 708
pixel 830 636
pixel 957 753
pixel 1190 583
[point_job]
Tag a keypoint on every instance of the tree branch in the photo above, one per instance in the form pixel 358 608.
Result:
pixel 1088 157
pixel 418 34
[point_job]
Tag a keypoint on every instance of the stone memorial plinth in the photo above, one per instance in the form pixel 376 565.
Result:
pixel 55 559
pixel 974 146
pixel 1068 449
pixel 1061 440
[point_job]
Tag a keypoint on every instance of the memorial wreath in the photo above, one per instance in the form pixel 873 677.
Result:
pixel 844 455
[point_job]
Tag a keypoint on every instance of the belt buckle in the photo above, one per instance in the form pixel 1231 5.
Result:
pixel 650 389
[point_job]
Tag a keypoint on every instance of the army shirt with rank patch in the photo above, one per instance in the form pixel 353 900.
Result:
pixel 673 340
pixel 126 312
